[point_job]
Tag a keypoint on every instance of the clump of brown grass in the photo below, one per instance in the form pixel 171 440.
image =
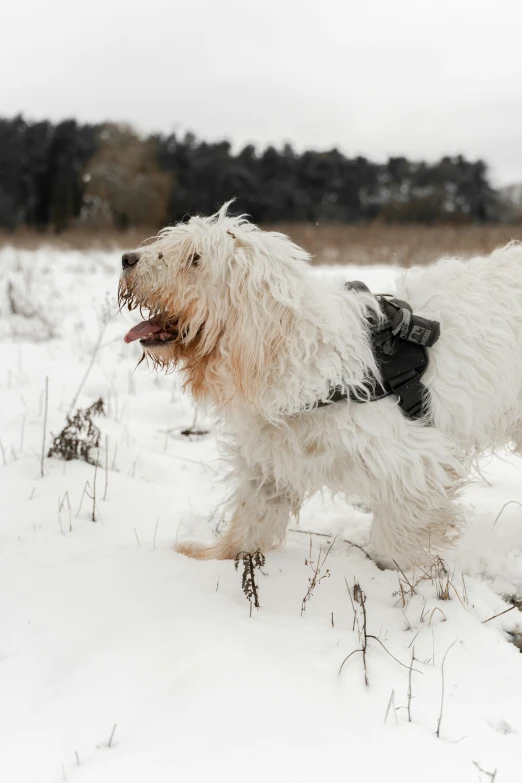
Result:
pixel 80 436
pixel 251 562
pixel 317 577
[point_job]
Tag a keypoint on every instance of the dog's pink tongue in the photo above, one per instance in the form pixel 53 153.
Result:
pixel 142 331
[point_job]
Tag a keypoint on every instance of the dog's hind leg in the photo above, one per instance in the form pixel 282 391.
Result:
pixel 413 532
pixel 260 517
pixel 413 495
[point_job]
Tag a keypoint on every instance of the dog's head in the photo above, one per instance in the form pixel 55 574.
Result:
pixel 220 296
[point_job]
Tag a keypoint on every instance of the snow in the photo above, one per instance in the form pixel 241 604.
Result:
pixel 102 624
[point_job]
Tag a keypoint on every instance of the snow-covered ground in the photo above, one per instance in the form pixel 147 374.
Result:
pixel 104 630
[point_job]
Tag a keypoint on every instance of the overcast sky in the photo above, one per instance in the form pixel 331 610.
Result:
pixel 421 78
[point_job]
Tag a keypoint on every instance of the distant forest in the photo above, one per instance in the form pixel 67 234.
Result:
pixel 56 176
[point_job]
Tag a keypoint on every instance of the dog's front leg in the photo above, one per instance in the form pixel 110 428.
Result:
pixel 261 513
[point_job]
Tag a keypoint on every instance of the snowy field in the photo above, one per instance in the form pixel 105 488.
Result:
pixel 121 660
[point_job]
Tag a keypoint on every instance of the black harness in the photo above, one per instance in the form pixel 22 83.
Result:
pixel 399 341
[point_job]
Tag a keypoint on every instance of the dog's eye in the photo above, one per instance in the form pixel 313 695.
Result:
pixel 194 261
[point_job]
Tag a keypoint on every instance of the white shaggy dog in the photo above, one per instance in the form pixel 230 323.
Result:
pixel 261 341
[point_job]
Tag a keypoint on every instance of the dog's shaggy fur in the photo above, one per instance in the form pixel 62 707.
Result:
pixel 261 340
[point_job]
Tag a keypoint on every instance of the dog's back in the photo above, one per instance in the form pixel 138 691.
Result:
pixel 475 372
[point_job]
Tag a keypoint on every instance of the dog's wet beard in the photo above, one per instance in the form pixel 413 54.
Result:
pixel 157 328
pixel 170 342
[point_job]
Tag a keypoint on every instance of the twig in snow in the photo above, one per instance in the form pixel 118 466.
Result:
pixel 86 489
pixel 112 735
pixel 309 532
pixel 391 703
pixel 46 401
pixel 376 638
pixel 502 509
pixel 358 546
pixel 464 590
pixel 155 531
pixel 137 539
pixel 3 452
pixel 409 684
pixel 93 516
pixel 60 517
pixel 500 613
pixel 351 601
pixel 492 775
pixel 436 609
pixel 442 691
pixel 328 535
pixel 360 597
pixel 60 508
pixel 316 577
pixel 113 466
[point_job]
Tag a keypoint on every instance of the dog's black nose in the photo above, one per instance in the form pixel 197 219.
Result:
pixel 129 259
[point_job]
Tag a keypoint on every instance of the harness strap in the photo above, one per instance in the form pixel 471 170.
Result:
pixel 400 353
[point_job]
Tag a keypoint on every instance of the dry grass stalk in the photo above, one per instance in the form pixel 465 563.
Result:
pixel 502 509
pixel 316 577
pixel 60 508
pixel 438 574
pixel 328 535
pixel 492 775
pixel 500 613
pixel 391 703
pixel 112 735
pixel 87 490
pixel 442 691
pixel 361 620
pixel 409 684
pixel 93 515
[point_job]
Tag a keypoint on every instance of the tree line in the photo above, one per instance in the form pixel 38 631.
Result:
pixel 54 176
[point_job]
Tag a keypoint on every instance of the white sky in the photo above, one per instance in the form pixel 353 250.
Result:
pixel 421 78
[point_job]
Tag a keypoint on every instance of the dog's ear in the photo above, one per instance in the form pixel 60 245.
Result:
pixel 264 298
